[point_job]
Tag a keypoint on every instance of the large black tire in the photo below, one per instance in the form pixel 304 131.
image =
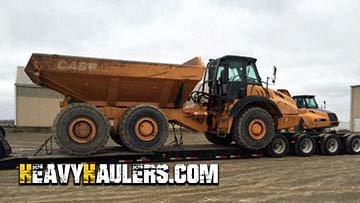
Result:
pixel 5 148
pixel 304 145
pixel 223 141
pixel 74 115
pixel 279 146
pixel 115 137
pixel 330 145
pixel 132 122
pixel 240 129
pixel 352 144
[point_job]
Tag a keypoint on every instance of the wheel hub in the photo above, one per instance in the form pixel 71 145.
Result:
pixel 279 146
pixel 146 129
pixel 306 145
pixel 332 145
pixel 257 129
pixel 356 145
pixel 82 130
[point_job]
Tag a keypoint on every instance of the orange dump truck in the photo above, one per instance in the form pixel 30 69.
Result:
pixel 133 102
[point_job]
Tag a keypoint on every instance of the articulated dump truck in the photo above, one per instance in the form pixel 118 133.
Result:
pixel 133 102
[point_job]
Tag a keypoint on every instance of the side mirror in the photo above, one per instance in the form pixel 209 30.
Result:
pixel 274 74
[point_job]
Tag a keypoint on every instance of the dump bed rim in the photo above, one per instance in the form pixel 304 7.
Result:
pixel 111 59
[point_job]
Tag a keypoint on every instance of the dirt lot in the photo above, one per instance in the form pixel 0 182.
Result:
pixel 290 179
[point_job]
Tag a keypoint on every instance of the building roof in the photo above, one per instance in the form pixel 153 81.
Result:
pixel 22 79
pixel 353 86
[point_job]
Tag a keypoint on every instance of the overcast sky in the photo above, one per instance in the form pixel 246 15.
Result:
pixel 314 44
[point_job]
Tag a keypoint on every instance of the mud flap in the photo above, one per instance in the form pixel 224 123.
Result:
pixel 5 148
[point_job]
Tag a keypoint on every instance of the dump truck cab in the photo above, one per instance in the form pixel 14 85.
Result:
pixel 234 83
pixel 230 75
pixel 314 118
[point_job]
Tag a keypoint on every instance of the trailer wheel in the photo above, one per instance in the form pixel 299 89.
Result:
pixel 352 144
pixel 279 146
pixel 115 137
pixel 143 128
pixel 304 145
pixel 330 145
pixel 253 129
pixel 223 141
pixel 81 129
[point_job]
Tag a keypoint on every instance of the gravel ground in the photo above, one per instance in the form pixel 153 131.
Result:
pixel 289 179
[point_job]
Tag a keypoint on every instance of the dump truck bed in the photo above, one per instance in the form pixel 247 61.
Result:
pixel 108 82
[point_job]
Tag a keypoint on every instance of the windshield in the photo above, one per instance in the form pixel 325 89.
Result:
pixel 311 103
pixel 307 102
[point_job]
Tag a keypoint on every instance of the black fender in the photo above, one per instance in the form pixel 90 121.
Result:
pixel 2 131
pixel 258 101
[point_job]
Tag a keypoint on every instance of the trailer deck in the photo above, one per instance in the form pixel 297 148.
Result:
pixel 122 155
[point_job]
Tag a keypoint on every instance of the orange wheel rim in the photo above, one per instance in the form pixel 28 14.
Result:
pixel 146 129
pixel 82 130
pixel 257 129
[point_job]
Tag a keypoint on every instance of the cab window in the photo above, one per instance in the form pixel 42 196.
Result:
pixel 300 103
pixel 311 103
pixel 235 71
pixel 220 76
pixel 251 75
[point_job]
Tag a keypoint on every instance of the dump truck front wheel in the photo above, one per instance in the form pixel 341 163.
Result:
pixel 143 128
pixel 215 139
pixel 253 129
pixel 81 129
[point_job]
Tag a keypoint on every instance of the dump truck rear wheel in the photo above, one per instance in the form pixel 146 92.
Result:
pixel 81 129
pixel 115 137
pixel 352 144
pixel 223 141
pixel 279 146
pixel 330 145
pixel 254 129
pixel 304 145
pixel 143 128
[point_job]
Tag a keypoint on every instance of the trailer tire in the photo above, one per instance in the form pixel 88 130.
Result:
pixel 223 141
pixel 352 144
pixel 305 145
pixel 330 145
pixel 279 146
pixel 253 129
pixel 116 137
pixel 81 129
pixel 143 128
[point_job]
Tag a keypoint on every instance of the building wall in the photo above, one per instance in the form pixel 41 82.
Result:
pixel 36 106
pixel 355 109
